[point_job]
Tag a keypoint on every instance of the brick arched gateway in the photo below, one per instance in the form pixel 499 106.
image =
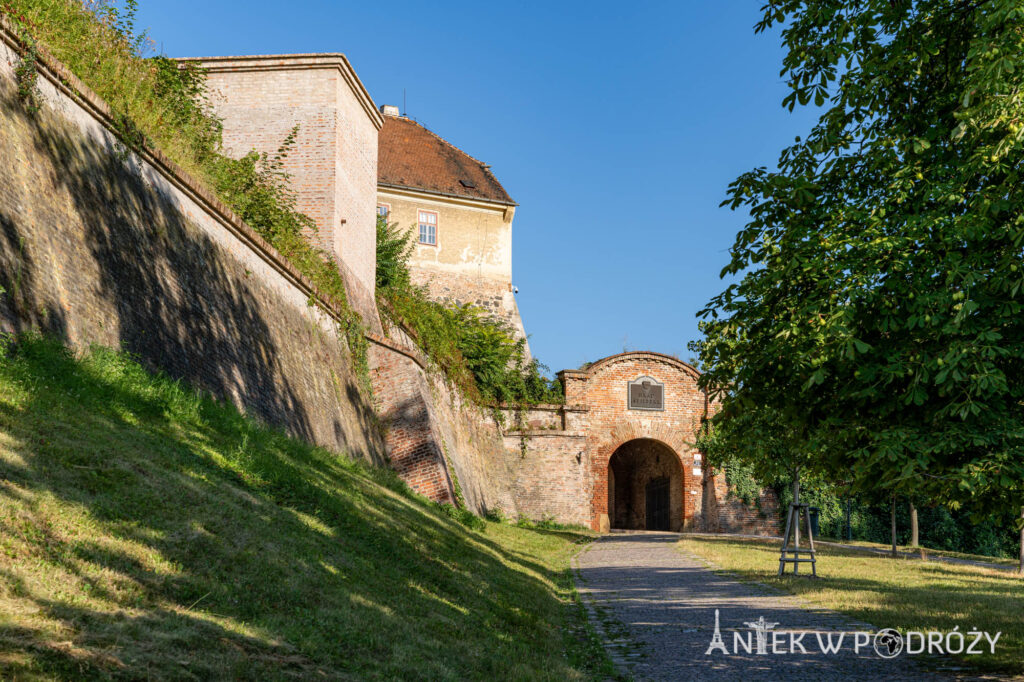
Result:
pixel 559 455
pixel 612 420
pixel 646 486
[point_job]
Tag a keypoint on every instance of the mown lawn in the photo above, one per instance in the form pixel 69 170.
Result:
pixel 906 594
pixel 1003 561
pixel 149 532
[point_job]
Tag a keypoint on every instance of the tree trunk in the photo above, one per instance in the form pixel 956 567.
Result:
pixel 892 523
pixel 1020 568
pixel 796 521
pixel 913 526
pixel 849 531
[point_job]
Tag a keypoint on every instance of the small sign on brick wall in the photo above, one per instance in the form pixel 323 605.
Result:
pixel 646 393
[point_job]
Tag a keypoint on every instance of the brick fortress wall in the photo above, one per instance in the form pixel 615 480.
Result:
pixel 333 164
pixel 125 250
pixel 133 253
pixel 435 438
pixel 559 455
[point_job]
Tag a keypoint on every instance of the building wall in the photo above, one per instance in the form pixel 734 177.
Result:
pixel 548 470
pixel 560 455
pixel 611 423
pixel 333 164
pixel 729 514
pixel 472 260
pixel 434 437
pixel 126 251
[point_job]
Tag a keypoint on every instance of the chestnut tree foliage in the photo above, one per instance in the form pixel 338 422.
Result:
pixel 877 310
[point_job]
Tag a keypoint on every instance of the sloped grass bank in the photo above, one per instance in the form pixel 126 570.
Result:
pixel 906 594
pixel 149 532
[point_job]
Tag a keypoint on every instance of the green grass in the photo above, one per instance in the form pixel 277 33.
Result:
pixel 104 53
pixel 147 531
pixel 907 594
pixel 1003 561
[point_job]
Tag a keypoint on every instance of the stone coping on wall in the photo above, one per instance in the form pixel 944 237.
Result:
pixel 637 354
pixel 295 62
pixel 545 407
pixel 68 83
pixel 540 433
pixel 410 353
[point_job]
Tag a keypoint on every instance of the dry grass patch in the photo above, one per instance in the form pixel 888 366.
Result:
pixel 906 594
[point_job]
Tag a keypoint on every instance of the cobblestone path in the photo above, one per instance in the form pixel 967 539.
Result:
pixel 656 607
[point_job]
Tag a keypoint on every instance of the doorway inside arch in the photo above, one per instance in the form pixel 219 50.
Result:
pixel 645 487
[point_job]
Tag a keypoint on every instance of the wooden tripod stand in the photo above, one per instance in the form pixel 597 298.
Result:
pixel 793 524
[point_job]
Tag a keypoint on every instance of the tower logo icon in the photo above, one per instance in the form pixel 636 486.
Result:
pixel 716 640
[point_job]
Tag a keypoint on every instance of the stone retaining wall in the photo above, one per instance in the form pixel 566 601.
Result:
pixel 101 245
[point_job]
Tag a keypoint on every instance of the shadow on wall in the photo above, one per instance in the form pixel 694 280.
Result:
pixel 724 512
pixel 710 521
pixel 20 307
pixel 97 255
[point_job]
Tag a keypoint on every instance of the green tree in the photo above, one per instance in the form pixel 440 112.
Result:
pixel 878 306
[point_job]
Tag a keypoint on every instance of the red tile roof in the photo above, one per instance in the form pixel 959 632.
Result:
pixel 410 156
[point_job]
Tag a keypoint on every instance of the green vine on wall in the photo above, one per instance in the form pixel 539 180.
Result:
pixel 26 71
pixel 742 481
pixel 460 499
pixel 477 353
pixel 524 442
pixel 157 103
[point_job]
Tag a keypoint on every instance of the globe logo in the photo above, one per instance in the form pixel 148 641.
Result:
pixel 888 643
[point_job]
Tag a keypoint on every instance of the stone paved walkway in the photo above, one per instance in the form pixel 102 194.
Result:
pixel 657 605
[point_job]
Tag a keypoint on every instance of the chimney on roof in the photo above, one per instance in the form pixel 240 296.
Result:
pixel 389 110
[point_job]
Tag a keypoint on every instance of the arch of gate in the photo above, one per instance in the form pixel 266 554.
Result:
pixel 645 486
pixel 634 396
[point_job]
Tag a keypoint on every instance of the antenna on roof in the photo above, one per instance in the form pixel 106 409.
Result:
pixel 405 112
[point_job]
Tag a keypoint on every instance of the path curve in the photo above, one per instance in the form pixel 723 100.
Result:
pixel 665 600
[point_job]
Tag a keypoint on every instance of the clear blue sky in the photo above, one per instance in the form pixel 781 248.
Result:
pixel 616 126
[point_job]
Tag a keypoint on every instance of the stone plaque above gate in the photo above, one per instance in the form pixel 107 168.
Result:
pixel 646 393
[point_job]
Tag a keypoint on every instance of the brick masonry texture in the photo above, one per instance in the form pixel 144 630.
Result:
pixel 333 165
pixel 125 251
pixel 434 437
pixel 588 462
pixel 549 477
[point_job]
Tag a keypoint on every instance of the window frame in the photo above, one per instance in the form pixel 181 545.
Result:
pixel 387 209
pixel 420 224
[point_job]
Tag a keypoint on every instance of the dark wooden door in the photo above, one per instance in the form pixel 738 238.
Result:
pixel 657 504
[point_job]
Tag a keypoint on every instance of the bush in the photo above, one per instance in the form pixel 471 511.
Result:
pixel 496 515
pixel 548 523
pixel 476 352
pixel 462 515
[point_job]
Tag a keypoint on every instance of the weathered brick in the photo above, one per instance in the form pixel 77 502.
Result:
pixel 561 456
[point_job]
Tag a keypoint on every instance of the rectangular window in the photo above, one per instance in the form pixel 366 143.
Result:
pixel 383 210
pixel 428 227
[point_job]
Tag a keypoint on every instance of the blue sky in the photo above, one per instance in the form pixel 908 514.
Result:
pixel 616 126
